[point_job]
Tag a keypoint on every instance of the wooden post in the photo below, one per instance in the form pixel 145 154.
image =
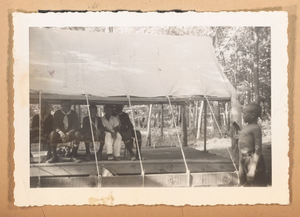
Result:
pixel 205 120
pixel 226 116
pixel 199 120
pixel 229 121
pixel 79 115
pixel 75 109
pixel 195 114
pixel 179 115
pixel 158 116
pixel 148 140
pixel 190 115
pixel 162 121
pixel 183 126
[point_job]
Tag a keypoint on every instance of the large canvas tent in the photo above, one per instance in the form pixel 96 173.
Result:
pixel 110 67
pixel 69 64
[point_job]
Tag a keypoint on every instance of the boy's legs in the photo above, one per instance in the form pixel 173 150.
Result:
pixel 109 142
pixel 102 142
pixel 260 174
pixel 117 146
pixel 33 134
pixel 126 137
pixel 87 139
pixel 138 144
pixel 54 139
pixel 242 172
pixel 74 136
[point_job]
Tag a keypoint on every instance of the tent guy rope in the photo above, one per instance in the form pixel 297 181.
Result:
pixel 182 152
pixel 136 139
pixel 93 139
pixel 221 134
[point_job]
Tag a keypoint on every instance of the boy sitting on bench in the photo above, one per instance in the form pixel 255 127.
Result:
pixel 112 135
pixel 98 130
pixel 65 125
pixel 252 171
pixel 127 132
pixel 46 124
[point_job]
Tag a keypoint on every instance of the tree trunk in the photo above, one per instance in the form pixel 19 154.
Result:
pixel 216 110
pixel 235 68
pixel 138 122
pixel 255 64
pixel 158 119
pixel 227 116
pixel 195 114
pixel 199 120
pixel 179 115
pixel 183 126
pixel 148 137
pixel 190 115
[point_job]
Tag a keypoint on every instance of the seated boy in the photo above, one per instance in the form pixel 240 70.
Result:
pixel 65 125
pixel 252 170
pixel 127 132
pixel 112 135
pixel 46 123
pixel 98 130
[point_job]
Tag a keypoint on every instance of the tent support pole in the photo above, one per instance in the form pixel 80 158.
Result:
pixel 79 115
pixel 40 134
pixel 148 141
pixel 183 125
pixel 231 157
pixel 93 140
pixel 137 145
pixel 188 173
pixel 205 120
pixel 162 121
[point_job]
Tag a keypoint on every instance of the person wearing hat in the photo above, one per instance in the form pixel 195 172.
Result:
pixel 65 125
pixel 112 135
pixel 46 123
pixel 127 132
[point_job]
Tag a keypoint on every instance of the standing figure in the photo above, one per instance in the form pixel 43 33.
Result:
pixel 252 170
pixel 112 135
pixel 46 124
pixel 98 130
pixel 65 125
pixel 127 132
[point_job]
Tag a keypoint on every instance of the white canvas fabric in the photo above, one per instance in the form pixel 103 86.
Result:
pixel 73 63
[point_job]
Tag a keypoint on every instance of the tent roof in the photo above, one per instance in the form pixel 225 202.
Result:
pixel 67 64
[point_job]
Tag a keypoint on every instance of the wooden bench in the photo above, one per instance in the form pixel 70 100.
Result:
pixel 44 142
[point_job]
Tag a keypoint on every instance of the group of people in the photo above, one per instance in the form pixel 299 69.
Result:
pixel 110 130
pixel 115 126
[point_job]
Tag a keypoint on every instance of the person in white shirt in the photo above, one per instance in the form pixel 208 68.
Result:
pixel 112 135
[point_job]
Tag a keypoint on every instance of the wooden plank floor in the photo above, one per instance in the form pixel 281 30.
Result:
pixel 158 161
pixel 158 180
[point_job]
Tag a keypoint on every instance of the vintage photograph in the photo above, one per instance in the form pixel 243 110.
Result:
pixel 150 106
pixel 147 106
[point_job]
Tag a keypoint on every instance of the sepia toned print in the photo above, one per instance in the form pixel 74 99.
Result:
pixel 151 107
